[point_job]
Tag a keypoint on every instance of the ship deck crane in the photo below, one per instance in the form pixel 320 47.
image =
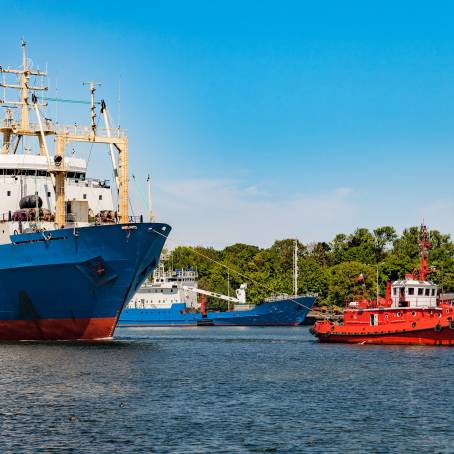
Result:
pixel 240 293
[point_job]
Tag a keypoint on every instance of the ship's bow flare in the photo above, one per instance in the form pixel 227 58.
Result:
pixel 73 283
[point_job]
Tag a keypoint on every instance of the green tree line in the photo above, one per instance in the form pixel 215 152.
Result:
pixel 329 269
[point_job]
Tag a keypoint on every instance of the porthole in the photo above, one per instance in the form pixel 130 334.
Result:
pixel 399 314
pixel 413 313
pixel 386 317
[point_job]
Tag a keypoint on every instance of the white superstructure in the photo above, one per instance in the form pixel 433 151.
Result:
pixel 167 288
pixel 411 292
pixel 22 175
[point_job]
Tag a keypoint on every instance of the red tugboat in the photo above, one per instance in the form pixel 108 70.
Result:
pixel 412 312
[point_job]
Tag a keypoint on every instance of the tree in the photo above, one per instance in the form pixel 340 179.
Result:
pixel 313 277
pixel 343 285
pixel 328 269
pixel 384 238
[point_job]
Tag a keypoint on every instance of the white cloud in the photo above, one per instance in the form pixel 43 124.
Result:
pixel 221 212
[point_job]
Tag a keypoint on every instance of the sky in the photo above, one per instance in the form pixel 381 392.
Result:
pixel 262 120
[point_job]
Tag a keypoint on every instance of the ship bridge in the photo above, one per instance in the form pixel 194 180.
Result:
pixel 411 292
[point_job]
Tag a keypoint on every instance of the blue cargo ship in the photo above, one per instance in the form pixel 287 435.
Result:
pixel 71 284
pixel 69 258
pixel 170 300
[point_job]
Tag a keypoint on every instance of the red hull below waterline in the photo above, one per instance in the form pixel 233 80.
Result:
pixel 422 337
pixel 57 329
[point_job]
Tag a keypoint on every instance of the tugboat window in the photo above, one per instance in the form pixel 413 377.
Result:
pixel 427 291
pixel 433 292
pixel 420 291
pixel 411 291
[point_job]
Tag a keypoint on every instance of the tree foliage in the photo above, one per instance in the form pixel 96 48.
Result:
pixel 329 270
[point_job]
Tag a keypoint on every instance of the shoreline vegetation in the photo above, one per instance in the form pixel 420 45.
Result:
pixel 328 269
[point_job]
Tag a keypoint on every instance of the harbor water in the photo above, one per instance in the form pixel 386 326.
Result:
pixel 225 390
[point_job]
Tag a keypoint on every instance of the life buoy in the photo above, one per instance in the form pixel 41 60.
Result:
pixel 437 328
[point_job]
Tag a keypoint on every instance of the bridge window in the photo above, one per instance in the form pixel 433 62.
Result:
pixel 395 291
pixel 411 291
pixel 420 291
pixel 433 292
pixel 427 291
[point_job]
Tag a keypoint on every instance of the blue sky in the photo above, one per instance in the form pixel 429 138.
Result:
pixel 264 120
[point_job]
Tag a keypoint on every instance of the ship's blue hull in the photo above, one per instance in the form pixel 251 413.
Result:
pixel 72 283
pixel 289 312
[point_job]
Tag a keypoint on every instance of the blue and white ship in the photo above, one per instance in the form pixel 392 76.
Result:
pixel 69 260
pixel 170 299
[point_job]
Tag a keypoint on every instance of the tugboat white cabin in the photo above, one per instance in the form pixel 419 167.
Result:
pixel 410 292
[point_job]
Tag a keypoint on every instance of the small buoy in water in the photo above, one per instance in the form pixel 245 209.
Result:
pixel 121 405
pixel 72 418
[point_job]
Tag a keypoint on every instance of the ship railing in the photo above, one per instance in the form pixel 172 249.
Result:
pixel 74 129
pixel 171 274
pixel 135 219
pixel 90 182
pixel 27 215
pixel 84 130
pixel 278 297
pixel 285 296
pixel 48 126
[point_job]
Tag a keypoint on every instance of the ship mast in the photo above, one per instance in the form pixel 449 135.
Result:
pixel 295 268
pixel 150 205
pixel 63 135
pixel 425 245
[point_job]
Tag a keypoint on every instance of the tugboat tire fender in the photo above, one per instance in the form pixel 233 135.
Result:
pixel 437 328
pixel 451 325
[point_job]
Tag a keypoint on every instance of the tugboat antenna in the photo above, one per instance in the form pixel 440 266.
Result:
pixel 425 244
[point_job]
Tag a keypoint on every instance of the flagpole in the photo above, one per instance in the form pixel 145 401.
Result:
pixel 377 285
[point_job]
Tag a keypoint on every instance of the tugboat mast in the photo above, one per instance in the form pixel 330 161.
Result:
pixel 425 244
pixel 63 135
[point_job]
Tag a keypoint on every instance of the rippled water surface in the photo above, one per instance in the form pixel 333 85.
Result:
pixel 225 390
